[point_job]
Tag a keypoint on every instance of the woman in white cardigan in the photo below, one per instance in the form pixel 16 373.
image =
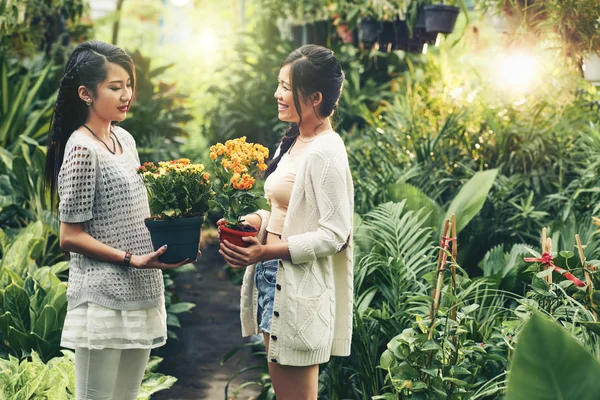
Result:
pixel 298 288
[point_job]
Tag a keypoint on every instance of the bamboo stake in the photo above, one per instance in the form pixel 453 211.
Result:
pixel 441 253
pixel 453 269
pixel 549 251
pixel 453 266
pixel 588 279
pixel 440 279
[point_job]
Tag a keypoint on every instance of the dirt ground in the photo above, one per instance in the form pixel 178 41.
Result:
pixel 208 332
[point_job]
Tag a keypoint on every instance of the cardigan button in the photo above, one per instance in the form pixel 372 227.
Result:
pixel 273 337
pixel 278 286
pixel 273 360
pixel 276 313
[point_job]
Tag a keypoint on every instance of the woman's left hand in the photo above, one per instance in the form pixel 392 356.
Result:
pixel 240 257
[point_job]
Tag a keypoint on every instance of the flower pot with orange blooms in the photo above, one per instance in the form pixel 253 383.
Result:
pixel 237 164
pixel 179 194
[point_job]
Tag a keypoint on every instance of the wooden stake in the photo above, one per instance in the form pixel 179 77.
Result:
pixel 441 253
pixel 588 279
pixel 440 279
pixel 453 266
pixel 549 251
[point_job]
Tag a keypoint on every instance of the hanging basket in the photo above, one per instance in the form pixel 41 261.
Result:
pixel 320 32
pixel 299 35
pixel 386 37
pixel 440 18
pixel 369 32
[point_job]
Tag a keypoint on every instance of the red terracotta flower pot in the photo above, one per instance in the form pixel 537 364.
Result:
pixel 234 236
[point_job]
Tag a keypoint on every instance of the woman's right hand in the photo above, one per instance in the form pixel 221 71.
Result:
pixel 149 261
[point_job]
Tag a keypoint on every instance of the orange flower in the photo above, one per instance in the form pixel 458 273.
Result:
pixel 213 156
pixel 206 176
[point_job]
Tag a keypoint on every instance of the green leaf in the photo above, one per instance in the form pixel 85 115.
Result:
pixel 47 322
pixel 19 341
pixel 471 198
pixel 16 301
pixel 566 254
pixel 544 273
pixel 182 307
pixel 172 320
pixel 417 200
pixel 550 364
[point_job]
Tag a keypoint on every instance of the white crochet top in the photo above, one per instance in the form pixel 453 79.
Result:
pixel 103 191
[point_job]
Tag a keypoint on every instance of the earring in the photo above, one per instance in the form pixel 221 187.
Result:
pixel 88 102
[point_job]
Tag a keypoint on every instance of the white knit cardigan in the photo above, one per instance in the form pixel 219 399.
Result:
pixel 312 311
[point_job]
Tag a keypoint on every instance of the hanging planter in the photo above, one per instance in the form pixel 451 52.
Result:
pixel 420 34
pixel 440 18
pixel 387 36
pixel 369 32
pixel 299 35
pixel 401 35
pixel 319 32
pixel 591 69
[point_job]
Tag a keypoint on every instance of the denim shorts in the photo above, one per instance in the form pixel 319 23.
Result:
pixel 264 279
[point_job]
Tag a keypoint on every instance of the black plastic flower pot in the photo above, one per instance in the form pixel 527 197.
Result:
pixel 320 32
pixel 369 32
pixel 421 19
pixel 401 35
pixel 181 235
pixel 425 37
pixel 440 18
pixel 299 35
pixel 387 36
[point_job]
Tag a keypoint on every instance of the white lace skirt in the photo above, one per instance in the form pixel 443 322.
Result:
pixel 95 327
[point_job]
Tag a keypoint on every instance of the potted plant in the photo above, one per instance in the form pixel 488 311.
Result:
pixel 237 163
pixel 440 18
pixel 179 194
pixel 591 69
pixel 319 29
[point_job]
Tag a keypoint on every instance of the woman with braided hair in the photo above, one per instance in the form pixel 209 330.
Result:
pixel 297 289
pixel 116 308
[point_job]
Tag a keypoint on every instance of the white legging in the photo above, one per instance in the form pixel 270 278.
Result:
pixel 109 374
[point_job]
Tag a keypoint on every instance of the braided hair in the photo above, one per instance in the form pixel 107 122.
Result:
pixel 312 69
pixel 86 66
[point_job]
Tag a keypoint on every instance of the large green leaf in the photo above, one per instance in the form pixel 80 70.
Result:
pixel 471 197
pixel 16 301
pixel 47 322
pixel 549 364
pixel 417 200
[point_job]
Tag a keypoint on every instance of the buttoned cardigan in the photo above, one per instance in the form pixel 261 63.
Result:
pixel 312 309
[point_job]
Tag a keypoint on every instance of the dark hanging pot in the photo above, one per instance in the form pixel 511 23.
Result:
pixel 421 33
pixel 181 235
pixel 386 37
pixel 401 35
pixel 369 32
pixel 320 32
pixel 440 18
pixel 299 35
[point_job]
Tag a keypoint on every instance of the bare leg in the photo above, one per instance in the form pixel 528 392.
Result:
pixel 293 383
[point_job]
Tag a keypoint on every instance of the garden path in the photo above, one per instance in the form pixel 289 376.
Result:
pixel 208 332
